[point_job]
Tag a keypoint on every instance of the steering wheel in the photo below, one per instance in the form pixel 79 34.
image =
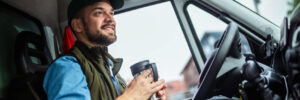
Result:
pixel 215 62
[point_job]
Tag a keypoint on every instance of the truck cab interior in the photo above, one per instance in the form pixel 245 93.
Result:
pixel 250 57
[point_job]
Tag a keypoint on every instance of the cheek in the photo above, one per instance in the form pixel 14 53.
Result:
pixel 95 24
pixel 93 28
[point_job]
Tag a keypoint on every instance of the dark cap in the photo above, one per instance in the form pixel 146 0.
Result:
pixel 76 5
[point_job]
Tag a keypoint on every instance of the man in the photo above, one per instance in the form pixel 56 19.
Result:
pixel 87 71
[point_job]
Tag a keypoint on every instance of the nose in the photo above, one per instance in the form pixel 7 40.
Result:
pixel 109 18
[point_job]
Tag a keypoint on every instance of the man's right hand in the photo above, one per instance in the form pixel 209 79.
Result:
pixel 142 87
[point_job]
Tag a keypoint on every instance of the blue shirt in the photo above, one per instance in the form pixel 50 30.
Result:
pixel 65 80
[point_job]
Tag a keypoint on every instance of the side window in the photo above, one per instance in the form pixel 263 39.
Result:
pixel 209 30
pixel 12 23
pixel 154 33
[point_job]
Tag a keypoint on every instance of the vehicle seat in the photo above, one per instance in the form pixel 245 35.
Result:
pixel 32 61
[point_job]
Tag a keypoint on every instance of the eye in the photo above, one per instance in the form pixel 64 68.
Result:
pixel 98 13
pixel 112 13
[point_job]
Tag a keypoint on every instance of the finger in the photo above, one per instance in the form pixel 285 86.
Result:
pixel 163 97
pixel 145 73
pixel 156 86
pixel 149 79
pixel 161 93
pixel 165 86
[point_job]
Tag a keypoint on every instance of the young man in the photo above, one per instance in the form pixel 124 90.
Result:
pixel 87 71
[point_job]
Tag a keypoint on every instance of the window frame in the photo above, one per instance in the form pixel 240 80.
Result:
pixel 239 3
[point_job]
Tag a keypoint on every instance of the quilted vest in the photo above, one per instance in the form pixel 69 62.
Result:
pixel 94 64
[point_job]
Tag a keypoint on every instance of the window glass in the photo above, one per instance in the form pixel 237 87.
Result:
pixel 275 11
pixel 209 30
pixel 154 33
pixel 11 23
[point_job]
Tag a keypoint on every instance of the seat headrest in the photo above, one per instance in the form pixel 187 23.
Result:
pixel 30 55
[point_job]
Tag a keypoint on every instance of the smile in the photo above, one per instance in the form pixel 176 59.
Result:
pixel 109 28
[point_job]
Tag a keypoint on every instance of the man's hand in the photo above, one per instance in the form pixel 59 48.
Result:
pixel 162 93
pixel 142 87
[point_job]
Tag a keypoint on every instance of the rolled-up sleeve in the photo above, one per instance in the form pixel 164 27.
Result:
pixel 64 80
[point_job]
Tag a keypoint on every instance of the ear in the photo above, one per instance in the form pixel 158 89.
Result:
pixel 77 25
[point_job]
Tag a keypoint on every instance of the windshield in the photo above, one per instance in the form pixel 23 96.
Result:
pixel 273 11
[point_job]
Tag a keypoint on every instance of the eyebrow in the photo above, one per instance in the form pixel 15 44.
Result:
pixel 100 8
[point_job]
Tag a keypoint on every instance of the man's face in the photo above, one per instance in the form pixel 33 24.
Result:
pixel 99 24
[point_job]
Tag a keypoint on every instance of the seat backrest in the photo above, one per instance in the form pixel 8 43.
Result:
pixel 32 60
pixel 30 53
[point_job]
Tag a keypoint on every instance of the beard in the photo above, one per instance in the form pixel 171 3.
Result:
pixel 99 37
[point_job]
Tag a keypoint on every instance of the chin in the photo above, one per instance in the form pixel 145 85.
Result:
pixel 111 35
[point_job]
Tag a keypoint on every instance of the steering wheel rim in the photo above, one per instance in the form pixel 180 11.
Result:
pixel 214 63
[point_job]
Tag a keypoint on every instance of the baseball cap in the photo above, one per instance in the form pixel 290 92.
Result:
pixel 76 5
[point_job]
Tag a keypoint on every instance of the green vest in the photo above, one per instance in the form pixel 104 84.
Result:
pixel 95 66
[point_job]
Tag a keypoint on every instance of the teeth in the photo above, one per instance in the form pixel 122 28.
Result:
pixel 109 29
